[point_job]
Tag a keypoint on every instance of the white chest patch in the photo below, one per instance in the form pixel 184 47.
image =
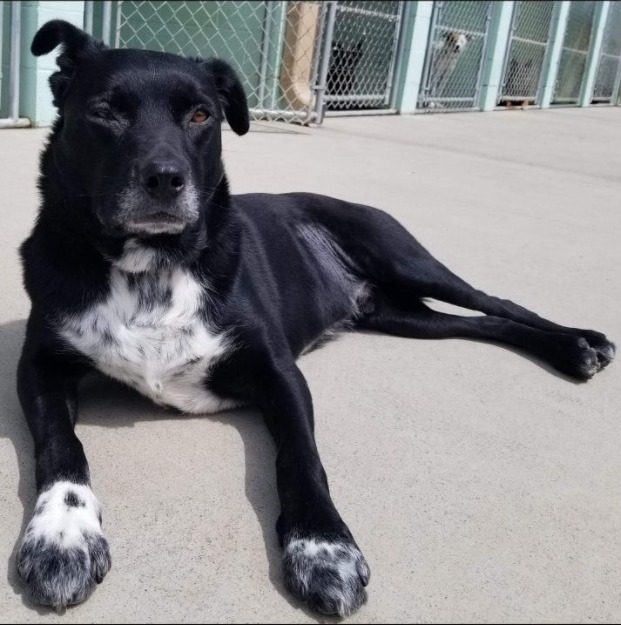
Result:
pixel 149 333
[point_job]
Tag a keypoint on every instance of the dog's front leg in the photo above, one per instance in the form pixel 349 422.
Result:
pixel 63 553
pixel 322 564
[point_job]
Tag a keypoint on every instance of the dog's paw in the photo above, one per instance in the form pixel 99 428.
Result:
pixel 329 574
pixel 581 357
pixel 604 349
pixel 583 362
pixel 64 554
pixel 605 353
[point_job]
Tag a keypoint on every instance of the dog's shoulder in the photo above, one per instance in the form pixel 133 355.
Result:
pixel 60 272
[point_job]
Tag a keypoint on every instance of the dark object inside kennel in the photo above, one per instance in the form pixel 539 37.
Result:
pixel 529 38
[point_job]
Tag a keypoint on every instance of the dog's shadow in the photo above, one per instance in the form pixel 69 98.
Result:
pixel 126 409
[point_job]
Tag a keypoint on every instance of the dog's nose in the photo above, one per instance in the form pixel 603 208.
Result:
pixel 163 180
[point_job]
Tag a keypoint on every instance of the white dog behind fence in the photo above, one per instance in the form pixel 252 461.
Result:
pixel 447 51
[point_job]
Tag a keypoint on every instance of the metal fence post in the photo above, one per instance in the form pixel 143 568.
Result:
pixel 265 50
pixel 599 25
pixel 615 99
pixel 404 36
pixel 106 22
pixel 553 58
pixel 14 120
pixel 88 16
pixel 326 49
pixel 1 46
pixel 495 53
pixel 276 34
pixel 414 56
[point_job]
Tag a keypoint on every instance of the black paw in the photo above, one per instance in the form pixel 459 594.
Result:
pixel 328 573
pixel 583 362
pixel 63 554
pixel 604 349
pixel 581 357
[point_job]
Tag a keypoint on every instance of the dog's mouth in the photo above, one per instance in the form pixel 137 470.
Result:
pixel 151 225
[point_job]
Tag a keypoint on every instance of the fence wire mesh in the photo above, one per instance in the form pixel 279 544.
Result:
pixel 362 55
pixel 454 55
pixel 4 59
pixel 272 45
pixel 609 66
pixel 575 52
pixel 530 33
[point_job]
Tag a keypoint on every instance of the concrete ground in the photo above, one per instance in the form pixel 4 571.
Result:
pixel 480 485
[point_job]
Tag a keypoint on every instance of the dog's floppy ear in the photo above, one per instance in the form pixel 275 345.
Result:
pixel 76 44
pixel 231 94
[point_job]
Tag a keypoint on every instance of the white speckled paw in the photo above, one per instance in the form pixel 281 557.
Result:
pixel 64 554
pixel 327 573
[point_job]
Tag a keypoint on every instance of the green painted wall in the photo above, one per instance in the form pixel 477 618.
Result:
pixel 4 66
pixel 35 96
pixel 229 30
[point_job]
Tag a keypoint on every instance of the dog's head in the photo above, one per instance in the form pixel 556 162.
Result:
pixel 457 41
pixel 139 131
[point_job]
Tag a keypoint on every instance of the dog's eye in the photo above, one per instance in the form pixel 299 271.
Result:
pixel 102 111
pixel 200 116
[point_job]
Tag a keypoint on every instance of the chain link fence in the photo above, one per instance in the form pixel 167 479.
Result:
pixel 299 59
pixel 609 65
pixel 362 55
pixel 575 52
pixel 454 58
pixel 296 59
pixel 530 34
pixel 272 45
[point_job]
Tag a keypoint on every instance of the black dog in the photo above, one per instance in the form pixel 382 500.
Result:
pixel 142 266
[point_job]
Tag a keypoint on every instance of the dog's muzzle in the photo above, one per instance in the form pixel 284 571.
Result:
pixel 158 223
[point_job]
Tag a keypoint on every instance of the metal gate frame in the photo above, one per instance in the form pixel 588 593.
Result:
pixel 334 8
pixel 514 18
pixel 426 76
pixel 615 94
pixel 13 120
pixel 564 100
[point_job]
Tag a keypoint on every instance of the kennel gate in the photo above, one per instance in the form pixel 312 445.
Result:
pixel 452 79
pixel 608 77
pixel 575 51
pixel 362 55
pixel 528 42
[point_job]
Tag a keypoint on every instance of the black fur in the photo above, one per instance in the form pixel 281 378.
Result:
pixel 73 501
pixel 282 270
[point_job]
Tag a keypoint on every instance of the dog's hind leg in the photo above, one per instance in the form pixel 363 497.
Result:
pixel 568 353
pixel 382 252
pixel 432 279
pixel 393 260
